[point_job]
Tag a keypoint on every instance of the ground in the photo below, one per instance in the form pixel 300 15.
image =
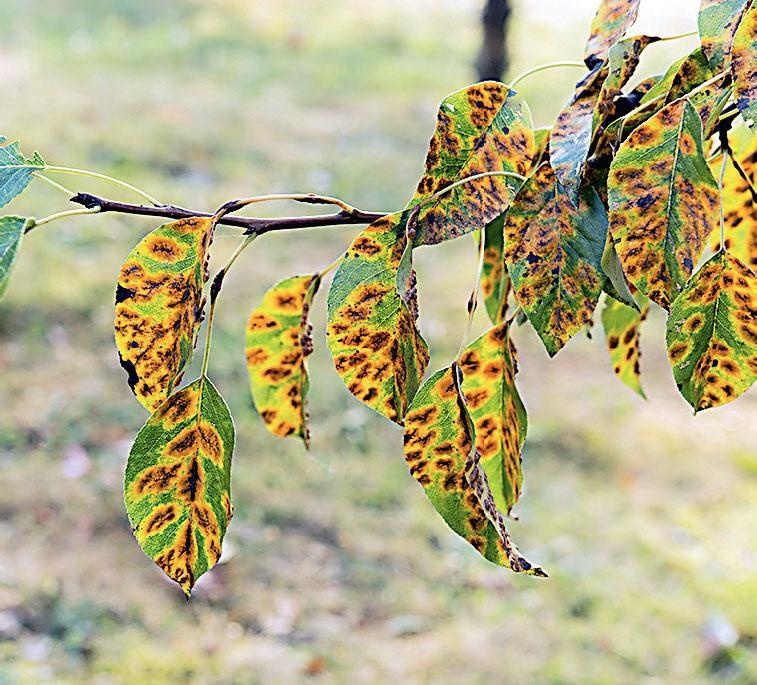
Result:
pixel 336 568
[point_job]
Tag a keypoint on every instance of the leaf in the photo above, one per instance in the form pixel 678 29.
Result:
pixel 497 412
pixel 553 251
pixel 738 207
pixel 744 65
pixel 11 233
pixel 663 202
pixel 541 146
pixel 612 20
pixel 571 135
pixel 177 486
pixel 372 334
pixel 616 285
pixel 159 306
pixel 718 21
pixel 712 333
pixel 495 282
pixel 15 170
pixel 277 341
pixel 477 131
pixel 440 452
pixel 621 324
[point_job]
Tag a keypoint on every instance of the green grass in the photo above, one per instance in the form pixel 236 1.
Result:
pixel 337 564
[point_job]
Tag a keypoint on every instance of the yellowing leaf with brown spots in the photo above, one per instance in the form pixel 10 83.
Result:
pixel 744 65
pixel 478 130
pixel 278 340
pixel 663 202
pixel 622 324
pixel 497 412
pixel 177 486
pixel 441 454
pixel 553 251
pixel 712 333
pixel 612 20
pixel 495 282
pixel 738 206
pixel 159 305
pixel 718 21
pixel 372 333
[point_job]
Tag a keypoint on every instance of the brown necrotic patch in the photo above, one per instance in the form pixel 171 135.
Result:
pixel 157 479
pixel 158 519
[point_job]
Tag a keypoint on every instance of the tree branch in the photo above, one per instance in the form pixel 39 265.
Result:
pixel 252 226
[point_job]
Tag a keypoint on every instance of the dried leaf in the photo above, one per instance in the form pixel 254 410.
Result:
pixel 15 170
pixel 553 251
pixel 159 305
pixel 11 233
pixel 277 342
pixel 718 21
pixel 440 452
pixel 478 130
pixel 712 333
pixel 372 334
pixel 744 65
pixel 612 20
pixel 622 324
pixel 178 480
pixel 497 412
pixel 663 202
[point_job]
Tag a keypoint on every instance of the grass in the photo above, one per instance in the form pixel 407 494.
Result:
pixel 337 568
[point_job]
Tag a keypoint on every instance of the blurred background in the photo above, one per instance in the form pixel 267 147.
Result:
pixel 336 567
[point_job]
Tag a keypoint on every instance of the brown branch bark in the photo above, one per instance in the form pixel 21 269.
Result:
pixel 252 225
pixel 492 61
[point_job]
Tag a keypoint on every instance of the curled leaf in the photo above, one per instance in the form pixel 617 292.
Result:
pixel 718 21
pixel 612 20
pixel 372 333
pixel 478 130
pixel 159 305
pixel 495 281
pixel 11 233
pixel 177 486
pixel 663 202
pixel 15 170
pixel 441 454
pixel 744 65
pixel 554 251
pixel 712 333
pixel 622 324
pixel 278 340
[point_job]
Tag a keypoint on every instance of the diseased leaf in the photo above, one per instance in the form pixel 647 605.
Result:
pixel 553 251
pixel 177 486
pixel 744 65
pixel 440 452
pixel 712 333
pixel 718 20
pixel 571 135
pixel 278 340
pixel 616 285
pixel 541 146
pixel 159 306
pixel 495 282
pixel 372 334
pixel 497 412
pixel 478 130
pixel 11 233
pixel 622 324
pixel 738 207
pixel 663 202
pixel 15 170
pixel 612 20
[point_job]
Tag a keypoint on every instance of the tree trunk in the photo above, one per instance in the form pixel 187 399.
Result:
pixel 492 61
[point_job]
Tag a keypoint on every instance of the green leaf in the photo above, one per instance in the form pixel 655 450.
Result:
pixel 478 130
pixel 616 285
pixel 718 21
pixel 743 67
pixel 498 414
pixel 15 170
pixel 495 282
pixel 11 233
pixel 159 304
pixel 712 334
pixel 541 146
pixel 177 487
pixel 611 21
pixel 571 135
pixel 553 251
pixel 663 202
pixel 441 454
pixel 738 207
pixel 278 340
pixel 622 324
pixel 372 333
